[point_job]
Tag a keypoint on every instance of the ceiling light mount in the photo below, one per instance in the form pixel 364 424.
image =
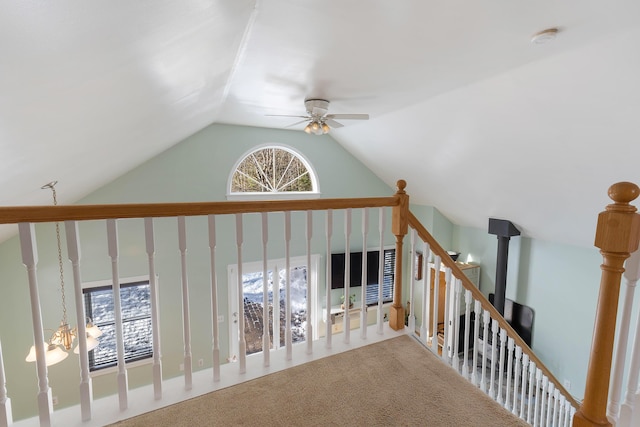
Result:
pixel 318 107
pixel 545 36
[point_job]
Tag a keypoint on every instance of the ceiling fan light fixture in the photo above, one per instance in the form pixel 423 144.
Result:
pixel 318 122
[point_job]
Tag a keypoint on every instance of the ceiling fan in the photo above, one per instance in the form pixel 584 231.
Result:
pixel 319 122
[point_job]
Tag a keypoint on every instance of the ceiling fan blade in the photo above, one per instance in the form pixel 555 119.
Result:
pixel 348 116
pixel 333 123
pixel 287 115
pixel 296 123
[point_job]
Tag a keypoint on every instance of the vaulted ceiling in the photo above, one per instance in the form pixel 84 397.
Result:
pixel 479 120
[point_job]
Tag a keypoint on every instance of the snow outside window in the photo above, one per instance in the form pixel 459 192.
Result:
pixel 135 298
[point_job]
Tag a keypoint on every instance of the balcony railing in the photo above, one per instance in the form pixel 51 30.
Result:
pixel 189 246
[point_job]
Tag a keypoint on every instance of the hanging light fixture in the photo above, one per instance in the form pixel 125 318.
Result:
pixel 62 339
pixel 317 127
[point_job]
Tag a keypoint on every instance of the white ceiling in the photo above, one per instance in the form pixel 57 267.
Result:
pixel 480 122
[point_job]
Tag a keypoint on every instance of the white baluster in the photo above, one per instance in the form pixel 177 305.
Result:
pixel 30 260
pixel 516 380
pixel 347 276
pixel 6 415
pixel 449 291
pixel 556 408
pixel 525 377
pixel 310 308
pixel 86 389
pixel 562 412
pixel 468 298
pixel 532 385
pixel 476 343
pixel 411 324
pixel 242 343
pixel 155 317
pixel 266 338
pixel 328 233
pixel 508 395
pixel 287 284
pixel 456 325
pixel 186 312
pixel 485 348
pixel 425 329
pixel 570 412
pixel 543 398
pixel 211 219
pixel 123 383
pixel 550 401
pixel 503 342
pixel 541 392
pixel 381 226
pixel 435 306
pixel 494 356
pixel 624 413
pixel 364 279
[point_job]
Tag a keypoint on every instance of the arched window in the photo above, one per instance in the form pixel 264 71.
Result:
pixel 273 170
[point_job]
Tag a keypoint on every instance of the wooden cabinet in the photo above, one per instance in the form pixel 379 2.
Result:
pixel 472 271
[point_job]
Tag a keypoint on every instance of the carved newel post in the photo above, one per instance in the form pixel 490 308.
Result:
pixel 399 227
pixel 617 236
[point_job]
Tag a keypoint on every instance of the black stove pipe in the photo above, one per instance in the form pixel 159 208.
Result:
pixel 504 230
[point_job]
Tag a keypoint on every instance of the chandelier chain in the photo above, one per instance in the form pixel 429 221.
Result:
pixel 64 302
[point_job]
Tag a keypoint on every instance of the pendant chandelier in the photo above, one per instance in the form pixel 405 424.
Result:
pixel 62 339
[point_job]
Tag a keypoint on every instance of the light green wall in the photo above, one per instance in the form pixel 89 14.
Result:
pixel 197 169
pixel 436 223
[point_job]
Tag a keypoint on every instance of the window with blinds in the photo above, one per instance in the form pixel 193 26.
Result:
pixel 388 276
pixel 135 301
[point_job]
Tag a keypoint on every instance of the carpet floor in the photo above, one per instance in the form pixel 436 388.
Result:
pixel 396 382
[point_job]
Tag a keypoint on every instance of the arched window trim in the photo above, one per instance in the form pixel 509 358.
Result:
pixel 314 194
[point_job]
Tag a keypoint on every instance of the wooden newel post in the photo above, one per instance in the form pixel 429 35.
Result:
pixel 399 227
pixel 617 236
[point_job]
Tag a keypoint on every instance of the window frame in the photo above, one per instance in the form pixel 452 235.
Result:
pixel 89 287
pixel 314 194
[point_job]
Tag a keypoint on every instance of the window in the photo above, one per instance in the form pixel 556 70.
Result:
pixel 388 278
pixel 135 299
pixel 271 170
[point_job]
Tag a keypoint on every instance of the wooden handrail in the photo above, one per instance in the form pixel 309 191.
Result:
pixel 18 214
pixel 486 305
pixel 617 235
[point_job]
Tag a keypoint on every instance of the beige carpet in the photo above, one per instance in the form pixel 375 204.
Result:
pixel 396 382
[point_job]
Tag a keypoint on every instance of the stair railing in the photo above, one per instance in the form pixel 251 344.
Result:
pixel 511 372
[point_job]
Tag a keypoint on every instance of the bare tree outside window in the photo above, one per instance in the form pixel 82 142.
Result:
pixel 271 170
